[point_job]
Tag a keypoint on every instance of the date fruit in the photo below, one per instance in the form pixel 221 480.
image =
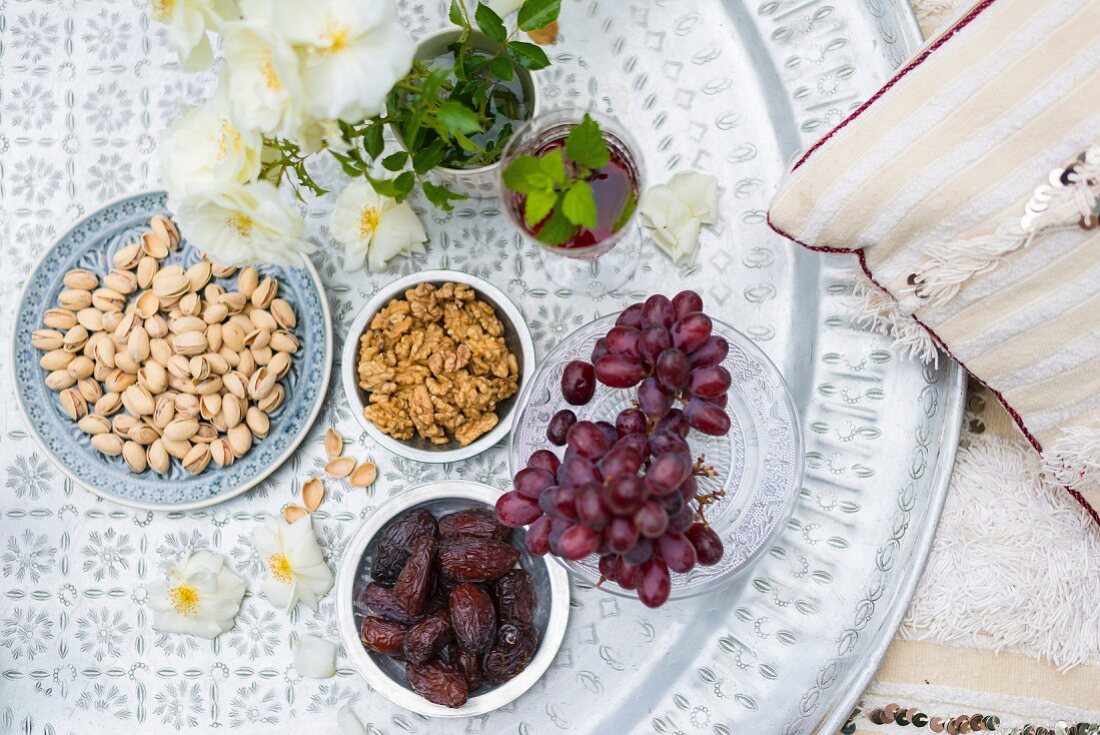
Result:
pixel 414 584
pixel 515 597
pixel 381 602
pixel 513 649
pixel 466 559
pixel 475 522
pixel 468 664
pixel 473 618
pixel 396 542
pixel 426 639
pixel 438 683
pixel 383 636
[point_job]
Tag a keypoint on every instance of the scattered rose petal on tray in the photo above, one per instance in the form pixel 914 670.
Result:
pixel 315 658
pixel 348 722
pixel 200 596
pixel 677 211
pixel 296 568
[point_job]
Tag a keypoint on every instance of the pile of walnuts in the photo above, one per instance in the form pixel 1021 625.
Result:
pixel 435 364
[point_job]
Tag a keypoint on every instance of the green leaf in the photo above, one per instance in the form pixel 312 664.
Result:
pixel 395 161
pixel 537 14
pixel 628 210
pixel 441 196
pixel 433 81
pixel 538 204
pixel 347 164
pixel 385 187
pixel 502 68
pixel 553 165
pixel 528 55
pixel 372 140
pixel 425 159
pixel 557 230
pixel 403 185
pixel 526 175
pixel 457 118
pixel 579 205
pixel 585 145
pixel 457 14
pixel 490 23
pixel 465 143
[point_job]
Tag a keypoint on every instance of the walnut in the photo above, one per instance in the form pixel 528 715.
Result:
pixel 435 365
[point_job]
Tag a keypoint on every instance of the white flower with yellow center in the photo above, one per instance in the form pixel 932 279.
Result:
pixel 243 224
pixel 352 53
pixel 188 21
pixel 205 150
pixel 200 596
pixel 374 228
pixel 296 569
pixel 264 79
pixel 677 211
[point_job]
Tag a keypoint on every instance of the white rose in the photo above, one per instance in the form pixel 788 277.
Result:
pixel 352 53
pixel 374 228
pixel 188 22
pixel 244 224
pixel 200 597
pixel 296 569
pixel 264 79
pixel 504 8
pixel 205 149
pixel 677 211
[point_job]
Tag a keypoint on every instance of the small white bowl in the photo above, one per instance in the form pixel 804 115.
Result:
pixel 516 334
pixel 385 675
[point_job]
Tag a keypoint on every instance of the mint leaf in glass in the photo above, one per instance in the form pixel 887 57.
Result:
pixel 558 230
pixel 586 147
pixel 579 205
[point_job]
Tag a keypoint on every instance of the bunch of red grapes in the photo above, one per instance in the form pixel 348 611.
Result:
pixel 628 490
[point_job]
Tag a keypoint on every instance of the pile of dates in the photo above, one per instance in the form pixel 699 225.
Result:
pixel 447 598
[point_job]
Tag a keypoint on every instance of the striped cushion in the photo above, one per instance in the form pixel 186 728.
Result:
pixel 929 181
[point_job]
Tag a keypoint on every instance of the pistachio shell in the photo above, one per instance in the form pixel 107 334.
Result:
pixel 108 444
pixel 181 385
pixel 135 457
pixel 109 404
pixel 214 337
pixel 125 326
pixel 144 434
pixel 313 491
pixel 156 326
pixel 199 275
pixel 233 301
pixel 189 343
pixel 273 400
pixel 215 313
pixel 293 513
pixel 74 299
pixel 82 279
pixel 187 406
pixel 283 313
pixel 55 360
pixel 218 364
pixel 165 411
pixel 221 451
pixel 231 411
pixel 211 405
pixel 223 271
pixel 232 359
pixel 90 389
pixel 279 364
pixel 263 320
pixel 148 304
pixel 181 429
pixel 262 355
pixel 210 385
pixel 59 380
pixel 257 338
pixel 75 338
pixel 240 438
pixel 127 364
pixel 178 450
pixel 334 443
pixel 265 293
pixel 233 336
pixel 197 459
pixel 283 341
pixel 137 345
pixel 158 457
pixel 123 424
pixel 247 280
pixel 154 245
pixel 73 404
pixel 258 422
pixel 107 299
pixel 120 281
pixel 119 380
pixel 94 424
pixel 47 339
pixel 81 367
pixel 364 475
pixel 153 377
pixel 90 318
pixel 246 362
pixel 340 467
pixel 59 318
pixel 261 383
pixel 147 267
pixel 138 401
pixel 165 229
pixel 170 283
pixel 206 434
pixel 186 324
pixel 128 256
pixel 198 367
pixel 111 321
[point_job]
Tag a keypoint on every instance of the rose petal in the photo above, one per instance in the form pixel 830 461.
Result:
pixel 348 722
pixel 315 658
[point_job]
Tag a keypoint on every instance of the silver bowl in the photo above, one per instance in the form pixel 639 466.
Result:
pixel 386 675
pixel 516 335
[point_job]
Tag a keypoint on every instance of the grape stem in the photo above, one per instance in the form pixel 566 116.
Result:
pixel 701 469
pixel 704 500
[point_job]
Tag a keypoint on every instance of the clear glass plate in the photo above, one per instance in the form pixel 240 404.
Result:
pixel 758 464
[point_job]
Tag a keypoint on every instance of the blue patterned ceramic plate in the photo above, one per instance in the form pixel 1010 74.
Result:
pixel 90 244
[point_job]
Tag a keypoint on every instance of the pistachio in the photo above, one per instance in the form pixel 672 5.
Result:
pixel 55 360
pixel 137 346
pixel 265 293
pixel 232 359
pixel 283 313
pixel 123 424
pixel 257 338
pixel 247 280
pixel 74 299
pixel 199 275
pixel 107 299
pixel 160 350
pixel 59 318
pixel 262 355
pixel 94 424
pixel 75 338
pixel 108 444
pixel 186 324
pixel 187 406
pixel 231 411
pixel 215 313
pixel 181 429
pixel 144 434
pixel 340 467
pixel 211 405
pixel 81 367
pixel 198 367
pixel 126 325
pixel 313 491
pixel 212 292
pixel 218 364
pixel 234 301
pixel 223 271
pixel 246 363
pixel 189 343
pixel 148 304
pixel 165 411
pixel 81 279
pixel 240 438
pixel 120 281
pixel 165 229
pixel 138 401
pixel 364 475
pixel 273 400
pixel 90 389
pixel 47 339
pixel 128 257
pixel 147 267
pixel 233 336
pixel 156 326
pixel 170 283
pixel 134 454
pixel 221 451
pixel 119 380
pixel 158 458
pixel 90 318
pixel 257 421
pixel 73 404
pixel 59 380
pixel 109 404
pixel 126 364
pixel 283 341
pixel 181 385
pixel 206 434
pixel 154 246
pixel 153 377
pixel 263 320
pixel 261 383
pixel 178 450
pixel 279 364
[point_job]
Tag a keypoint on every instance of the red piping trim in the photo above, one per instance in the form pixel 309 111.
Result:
pixel 913 64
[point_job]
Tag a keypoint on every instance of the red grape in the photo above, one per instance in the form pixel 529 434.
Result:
pixel 610 565
pixel 580 541
pixel 651 519
pixel 625 341
pixel 638 442
pixel 515 510
pixel 625 494
pixel 544 459
pixel 621 461
pixel 640 552
pixel 708 547
pixel 689 488
pixel 673 503
pixel 707 417
pixel 586 439
pixel 677 552
pixel 691 331
pixel 673 369
pixel 557 529
pixel 654 583
pixel 658 311
pixel 709 382
pixel 560 503
pixel 655 340
pixel 631 421
pixel 712 352
pixel 609 431
pixel 686 302
pixel 559 426
pixel 538 533
pixel 621 534
pixel 674 422
pixel 682 521
pixel 619 371
pixel 578 382
pixel 631 317
pixel 628 575
pixel 719 401
pixel 577 471
pixel 590 507
pixel 654 400
pixel 667 471
pixel 531 482
pixel 598 350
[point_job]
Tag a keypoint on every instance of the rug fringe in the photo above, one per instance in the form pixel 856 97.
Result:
pixel 1073 460
pixel 881 313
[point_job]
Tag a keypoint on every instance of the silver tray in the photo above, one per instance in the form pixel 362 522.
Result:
pixel 733 88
